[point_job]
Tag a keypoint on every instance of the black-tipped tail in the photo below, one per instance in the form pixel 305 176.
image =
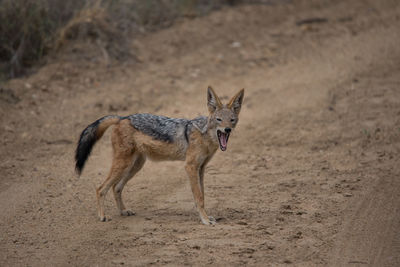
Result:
pixel 88 138
pixel 86 142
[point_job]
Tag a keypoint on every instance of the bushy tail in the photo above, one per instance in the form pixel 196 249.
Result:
pixel 88 138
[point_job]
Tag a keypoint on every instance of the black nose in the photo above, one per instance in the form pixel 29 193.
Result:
pixel 228 130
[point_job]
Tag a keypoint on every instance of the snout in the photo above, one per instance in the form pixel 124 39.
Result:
pixel 228 130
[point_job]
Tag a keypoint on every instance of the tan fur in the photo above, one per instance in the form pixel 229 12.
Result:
pixel 158 150
pixel 131 148
pixel 103 126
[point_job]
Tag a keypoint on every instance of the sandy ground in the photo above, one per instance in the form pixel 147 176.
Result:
pixel 311 174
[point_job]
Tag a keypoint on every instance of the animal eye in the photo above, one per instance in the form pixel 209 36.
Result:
pixel 219 119
pixel 232 120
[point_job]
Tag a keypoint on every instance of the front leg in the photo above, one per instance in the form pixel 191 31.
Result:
pixel 201 175
pixel 201 179
pixel 193 171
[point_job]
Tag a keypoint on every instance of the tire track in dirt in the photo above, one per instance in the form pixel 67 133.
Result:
pixel 370 236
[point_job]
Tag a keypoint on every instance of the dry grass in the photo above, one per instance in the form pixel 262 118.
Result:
pixel 26 31
pixel 29 29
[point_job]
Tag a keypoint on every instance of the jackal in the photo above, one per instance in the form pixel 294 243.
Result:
pixel 140 136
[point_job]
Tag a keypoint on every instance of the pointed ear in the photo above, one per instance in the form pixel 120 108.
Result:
pixel 213 101
pixel 236 102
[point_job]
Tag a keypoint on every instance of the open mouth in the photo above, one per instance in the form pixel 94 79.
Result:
pixel 222 139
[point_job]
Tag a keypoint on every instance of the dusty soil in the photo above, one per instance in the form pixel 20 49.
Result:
pixel 311 174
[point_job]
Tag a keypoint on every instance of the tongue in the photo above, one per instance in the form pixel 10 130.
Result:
pixel 222 141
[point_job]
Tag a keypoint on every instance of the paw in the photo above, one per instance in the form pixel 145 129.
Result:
pixel 127 213
pixel 105 219
pixel 209 221
pixel 212 219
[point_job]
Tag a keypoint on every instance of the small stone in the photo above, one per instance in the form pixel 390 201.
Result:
pixel 236 44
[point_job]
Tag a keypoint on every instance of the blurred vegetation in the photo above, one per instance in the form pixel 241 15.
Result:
pixel 29 29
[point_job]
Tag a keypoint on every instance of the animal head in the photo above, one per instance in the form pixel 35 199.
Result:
pixel 223 118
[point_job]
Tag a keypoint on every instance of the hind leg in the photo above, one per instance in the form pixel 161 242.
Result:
pixel 119 169
pixel 123 148
pixel 137 163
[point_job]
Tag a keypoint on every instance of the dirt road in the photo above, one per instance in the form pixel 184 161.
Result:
pixel 310 176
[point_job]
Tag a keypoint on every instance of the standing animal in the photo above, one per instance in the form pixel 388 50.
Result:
pixel 140 136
